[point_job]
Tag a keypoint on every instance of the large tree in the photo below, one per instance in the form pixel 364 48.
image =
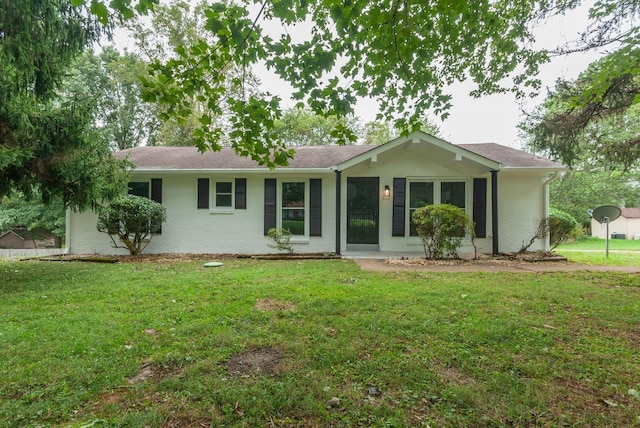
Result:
pixel 591 186
pixel 47 143
pixel 401 54
pixel 32 214
pixel 594 116
pixel 110 80
pixel 178 26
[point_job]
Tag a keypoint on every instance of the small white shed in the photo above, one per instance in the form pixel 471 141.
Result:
pixel 627 226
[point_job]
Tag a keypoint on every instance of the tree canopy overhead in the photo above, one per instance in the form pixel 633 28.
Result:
pixel 403 55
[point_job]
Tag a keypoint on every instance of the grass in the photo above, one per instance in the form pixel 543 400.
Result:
pixel 442 349
pixel 592 251
pixel 600 245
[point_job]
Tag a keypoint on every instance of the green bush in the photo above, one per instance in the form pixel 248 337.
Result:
pixel 441 229
pixel 280 239
pixel 561 227
pixel 132 219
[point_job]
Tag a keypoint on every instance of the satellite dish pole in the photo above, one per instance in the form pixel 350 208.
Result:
pixel 606 220
pixel 606 214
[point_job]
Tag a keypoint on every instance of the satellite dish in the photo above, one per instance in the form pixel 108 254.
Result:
pixel 606 213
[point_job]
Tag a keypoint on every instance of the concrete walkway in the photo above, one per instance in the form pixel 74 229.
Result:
pixel 417 264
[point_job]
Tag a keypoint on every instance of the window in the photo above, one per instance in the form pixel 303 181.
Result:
pixel 423 193
pixel 139 188
pixel 293 207
pixel 453 193
pixel 224 194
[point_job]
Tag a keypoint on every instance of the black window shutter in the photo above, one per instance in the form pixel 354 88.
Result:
pixel 315 207
pixel 270 209
pixel 156 195
pixel 241 193
pixel 399 193
pixel 203 193
pixel 156 190
pixel 480 206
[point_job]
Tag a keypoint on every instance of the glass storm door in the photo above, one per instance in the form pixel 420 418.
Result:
pixel 363 195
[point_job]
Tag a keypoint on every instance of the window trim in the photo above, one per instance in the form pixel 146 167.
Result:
pixel 213 186
pixel 211 199
pixel 295 238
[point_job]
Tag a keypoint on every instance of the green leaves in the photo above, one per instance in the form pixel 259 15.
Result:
pixel 100 10
pixel 594 116
pixel 49 146
pixel 132 220
pixel 441 229
pixel 403 55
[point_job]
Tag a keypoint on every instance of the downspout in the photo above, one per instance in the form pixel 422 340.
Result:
pixel 338 209
pixel 494 211
pixel 546 204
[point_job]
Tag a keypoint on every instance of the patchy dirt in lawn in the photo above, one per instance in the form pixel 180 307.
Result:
pixel 154 372
pixel 260 361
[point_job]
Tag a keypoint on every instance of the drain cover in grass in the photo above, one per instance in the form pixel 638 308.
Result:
pixel 213 264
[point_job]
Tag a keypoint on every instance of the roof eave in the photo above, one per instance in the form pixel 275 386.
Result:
pixel 172 171
pixel 547 170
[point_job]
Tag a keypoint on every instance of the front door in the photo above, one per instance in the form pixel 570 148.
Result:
pixel 362 210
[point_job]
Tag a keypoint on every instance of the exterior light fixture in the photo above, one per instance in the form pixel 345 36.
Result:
pixel 387 192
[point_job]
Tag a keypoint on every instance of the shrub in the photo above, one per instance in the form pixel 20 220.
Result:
pixel 579 232
pixel 561 226
pixel 441 229
pixel 280 239
pixel 133 220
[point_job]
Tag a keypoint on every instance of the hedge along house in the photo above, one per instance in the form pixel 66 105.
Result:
pixel 333 198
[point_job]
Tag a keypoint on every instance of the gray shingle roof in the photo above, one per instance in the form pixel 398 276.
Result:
pixel 510 158
pixel 306 157
pixel 630 212
pixel 155 158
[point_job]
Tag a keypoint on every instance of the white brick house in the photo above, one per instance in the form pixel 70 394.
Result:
pixel 334 198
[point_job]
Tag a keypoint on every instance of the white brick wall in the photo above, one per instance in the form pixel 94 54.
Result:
pixel 192 230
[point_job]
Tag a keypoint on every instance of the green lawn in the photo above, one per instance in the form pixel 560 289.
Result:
pixel 398 349
pixel 593 251
pixel 600 244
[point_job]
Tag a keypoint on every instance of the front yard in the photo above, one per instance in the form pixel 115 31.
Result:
pixel 314 343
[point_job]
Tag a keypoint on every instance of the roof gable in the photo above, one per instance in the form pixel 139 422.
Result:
pixel 448 153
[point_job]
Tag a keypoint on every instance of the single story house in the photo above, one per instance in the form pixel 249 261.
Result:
pixel 627 226
pixel 21 238
pixel 337 199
